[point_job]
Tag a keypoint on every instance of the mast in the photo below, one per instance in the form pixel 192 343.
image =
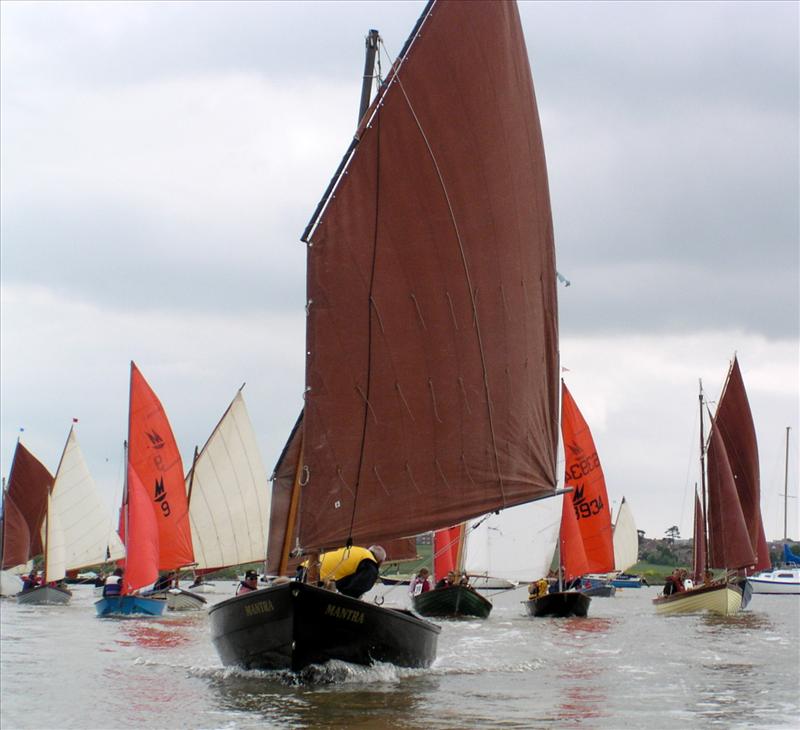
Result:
pixel 786 489
pixel 703 477
pixel 292 516
pixel 369 69
pixel 3 536
pixel 191 478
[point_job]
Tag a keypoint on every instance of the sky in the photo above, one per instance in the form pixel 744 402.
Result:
pixel 159 162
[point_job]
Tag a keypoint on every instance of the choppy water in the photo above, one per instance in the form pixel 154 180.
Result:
pixel 623 667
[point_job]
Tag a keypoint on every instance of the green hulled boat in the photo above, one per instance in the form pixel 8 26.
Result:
pixel 452 602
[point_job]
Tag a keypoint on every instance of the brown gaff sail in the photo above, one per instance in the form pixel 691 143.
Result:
pixel 432 339
pixel 729 543
pixel 734 421
pixel 29 483
pixel 699 543
pixel 16 536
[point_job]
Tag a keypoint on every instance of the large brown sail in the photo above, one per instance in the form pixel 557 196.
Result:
pixel 29 483
pixel 432 363
pixel 735 423
pixel 729 543
pixel 16 536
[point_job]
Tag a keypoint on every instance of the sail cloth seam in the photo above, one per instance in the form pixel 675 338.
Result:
pixel 472 293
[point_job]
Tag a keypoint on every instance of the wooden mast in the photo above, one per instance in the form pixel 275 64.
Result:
pixel 292 516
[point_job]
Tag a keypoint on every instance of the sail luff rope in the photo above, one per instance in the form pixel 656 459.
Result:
pixel 466 276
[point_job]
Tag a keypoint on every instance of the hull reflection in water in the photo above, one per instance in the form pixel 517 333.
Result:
pixel 293 625
pixel 722 599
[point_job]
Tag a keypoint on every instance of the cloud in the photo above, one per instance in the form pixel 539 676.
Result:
pixel 160 161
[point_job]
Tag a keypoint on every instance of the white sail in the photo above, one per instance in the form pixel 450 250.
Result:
pixel 78 529
pixel 517 544
pixel 626 539
pixel 229 500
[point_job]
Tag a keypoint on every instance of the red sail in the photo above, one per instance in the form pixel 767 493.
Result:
pixel 699 548
pixel 735 423
pixel 16 536
pixel 585 475
pixel 432 338
pixel 574 561
pixel 154 456
pixel 729 542
pixel 141 541
pixel 28 486
pixel 446 548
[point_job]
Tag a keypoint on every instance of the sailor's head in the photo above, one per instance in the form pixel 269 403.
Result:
pixel 250 576
pixel 424 572
pixel 378 552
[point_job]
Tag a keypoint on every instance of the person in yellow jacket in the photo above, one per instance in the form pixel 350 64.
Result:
pixel 354 570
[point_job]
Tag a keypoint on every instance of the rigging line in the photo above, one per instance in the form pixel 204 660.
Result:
pixel 468 280
pixel 377 122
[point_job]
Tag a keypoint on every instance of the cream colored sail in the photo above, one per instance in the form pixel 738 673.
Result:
pixel 517 544
pixel 229 498
pixel 626 539
pixel 78 530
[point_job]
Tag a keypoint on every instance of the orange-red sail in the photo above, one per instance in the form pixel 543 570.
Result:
pixel 446 547
pixel 141 539
pixel 153 455
pixel 589 498
pixel 574 561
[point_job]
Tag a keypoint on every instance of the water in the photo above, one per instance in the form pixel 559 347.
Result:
pixel 623 667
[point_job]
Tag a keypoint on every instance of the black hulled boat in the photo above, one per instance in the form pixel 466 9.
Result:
pixel 292 625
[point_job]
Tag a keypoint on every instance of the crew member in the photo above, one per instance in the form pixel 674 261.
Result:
pixel 250 583
pixel 353 570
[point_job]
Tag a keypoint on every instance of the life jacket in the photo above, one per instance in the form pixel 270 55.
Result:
pixel 343 562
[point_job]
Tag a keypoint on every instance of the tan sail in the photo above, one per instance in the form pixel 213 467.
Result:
pixel 229 500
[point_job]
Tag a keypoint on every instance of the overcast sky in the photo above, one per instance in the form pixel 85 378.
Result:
pixel 160 161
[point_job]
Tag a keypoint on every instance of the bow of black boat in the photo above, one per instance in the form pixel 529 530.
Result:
pixel 562 604
pixel 292 625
